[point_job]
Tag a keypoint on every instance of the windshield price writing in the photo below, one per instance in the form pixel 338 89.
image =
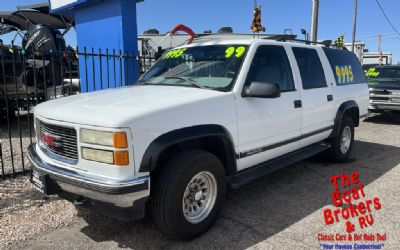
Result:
pixel 239 51
pixel 174 53
pixel 344 74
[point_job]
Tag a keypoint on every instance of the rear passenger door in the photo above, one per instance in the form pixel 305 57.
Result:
pixel 316 93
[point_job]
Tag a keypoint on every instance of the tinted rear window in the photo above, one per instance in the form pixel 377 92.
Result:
pixel 311 71
pixel 345 67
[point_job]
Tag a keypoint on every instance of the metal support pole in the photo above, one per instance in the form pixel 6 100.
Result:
pixel 380 48
pixel 314 20
pixel 354 25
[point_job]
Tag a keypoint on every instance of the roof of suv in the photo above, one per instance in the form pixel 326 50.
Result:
pixel 246 42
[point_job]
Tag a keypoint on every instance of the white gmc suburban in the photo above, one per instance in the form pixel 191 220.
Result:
pixel 205 117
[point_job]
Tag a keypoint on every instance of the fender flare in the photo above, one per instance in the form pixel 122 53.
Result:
pixel 351 104
pixel 156 147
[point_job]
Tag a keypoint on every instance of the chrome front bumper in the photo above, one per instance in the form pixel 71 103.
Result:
pixel 107 196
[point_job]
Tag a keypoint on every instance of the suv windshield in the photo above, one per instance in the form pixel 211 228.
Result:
pixel 390 73
pixel 211 67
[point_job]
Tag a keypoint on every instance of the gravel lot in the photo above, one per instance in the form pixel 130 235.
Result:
pixel 280 211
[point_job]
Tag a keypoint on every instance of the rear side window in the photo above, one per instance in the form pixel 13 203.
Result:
pixel 345 67
pixel 311 71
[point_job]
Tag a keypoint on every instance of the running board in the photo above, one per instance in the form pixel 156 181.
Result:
pixel 252 173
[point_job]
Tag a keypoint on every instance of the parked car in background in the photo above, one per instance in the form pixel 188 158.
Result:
pixel 384 88
pixel 205 116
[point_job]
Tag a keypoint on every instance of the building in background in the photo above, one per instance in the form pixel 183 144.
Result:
pixel 359 50
pixel 370 58
pixel 373 58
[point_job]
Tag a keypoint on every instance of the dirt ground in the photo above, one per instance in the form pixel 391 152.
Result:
pixel 283 210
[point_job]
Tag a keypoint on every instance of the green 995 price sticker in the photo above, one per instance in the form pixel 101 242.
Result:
pixel 175 53
pixel 344 74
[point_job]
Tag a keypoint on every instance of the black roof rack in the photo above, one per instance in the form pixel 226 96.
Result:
pixel 281 37
pixel 292 38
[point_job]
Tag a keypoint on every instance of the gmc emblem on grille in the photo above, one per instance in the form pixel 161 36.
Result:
pixel 51 140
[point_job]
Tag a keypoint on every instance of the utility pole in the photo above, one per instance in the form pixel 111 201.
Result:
pixel 380 48
pixel 354 25
pixel 314 20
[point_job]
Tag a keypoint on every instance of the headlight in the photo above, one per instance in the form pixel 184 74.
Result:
pixel 98 155
pixel 114 140
pixel 118 158
pixel 97 137
pixel 104 138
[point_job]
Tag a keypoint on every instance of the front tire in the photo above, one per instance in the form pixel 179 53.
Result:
pixel 343 143
pixel 188 194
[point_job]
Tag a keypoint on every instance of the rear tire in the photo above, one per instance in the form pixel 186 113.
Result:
pixel 188 194
pixel 343 143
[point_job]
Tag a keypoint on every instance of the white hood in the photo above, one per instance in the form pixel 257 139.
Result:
pixel 116 107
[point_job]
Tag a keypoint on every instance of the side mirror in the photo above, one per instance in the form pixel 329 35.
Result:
pixel 262 90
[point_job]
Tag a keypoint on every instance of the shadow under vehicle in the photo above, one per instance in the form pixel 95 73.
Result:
pixel 36 70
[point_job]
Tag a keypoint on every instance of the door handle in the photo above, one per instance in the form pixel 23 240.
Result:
pixel 329 98
pixel 297 104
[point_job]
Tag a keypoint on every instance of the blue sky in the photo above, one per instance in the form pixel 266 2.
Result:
pixel 335 18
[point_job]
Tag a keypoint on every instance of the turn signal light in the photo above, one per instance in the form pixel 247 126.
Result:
pixel 120 140
pixel 121 158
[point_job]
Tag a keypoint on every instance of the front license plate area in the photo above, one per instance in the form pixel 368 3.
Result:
pixel 42 183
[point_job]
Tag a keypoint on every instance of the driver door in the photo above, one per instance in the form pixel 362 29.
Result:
pixel 269 127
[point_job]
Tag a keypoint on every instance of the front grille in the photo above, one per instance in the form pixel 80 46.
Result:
pixel 379 95
pixel 60 141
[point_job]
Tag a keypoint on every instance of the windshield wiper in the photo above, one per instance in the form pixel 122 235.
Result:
pixel 193 82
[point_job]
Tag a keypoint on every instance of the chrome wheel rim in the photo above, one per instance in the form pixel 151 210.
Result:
pixel 345 140
pixel 199 197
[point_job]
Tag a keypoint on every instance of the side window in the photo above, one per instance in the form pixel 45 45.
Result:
pixel 271 65
pixel 345 66
pixel 311 71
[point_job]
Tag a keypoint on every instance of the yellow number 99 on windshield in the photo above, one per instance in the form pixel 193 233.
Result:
pixel 229 52
pixel 239 51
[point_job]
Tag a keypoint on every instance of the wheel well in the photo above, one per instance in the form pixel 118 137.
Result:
pixel 354 114
pixel 349 108
pixel 216 145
